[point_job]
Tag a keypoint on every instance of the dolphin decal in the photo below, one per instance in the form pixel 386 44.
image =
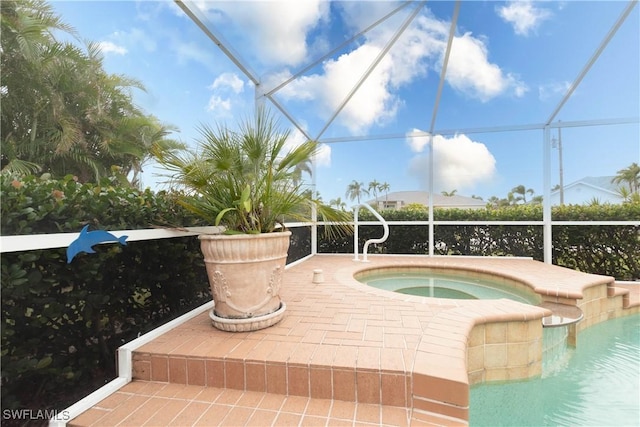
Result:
pixel 87 239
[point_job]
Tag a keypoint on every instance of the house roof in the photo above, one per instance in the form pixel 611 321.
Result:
pixel 422 197
pixel 603 183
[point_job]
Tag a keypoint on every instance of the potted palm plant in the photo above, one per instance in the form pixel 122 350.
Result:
pixel 249 182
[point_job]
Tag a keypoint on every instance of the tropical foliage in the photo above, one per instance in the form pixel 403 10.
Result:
pixel 629 176
pixel 356 190
pixel 338 203
pixel 62 323
pixel 62 113
pixel 248 179
pixel 517 196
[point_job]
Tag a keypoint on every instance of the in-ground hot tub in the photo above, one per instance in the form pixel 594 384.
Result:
pixel 447 283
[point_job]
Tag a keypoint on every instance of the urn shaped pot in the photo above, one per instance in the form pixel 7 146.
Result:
pixel 245 274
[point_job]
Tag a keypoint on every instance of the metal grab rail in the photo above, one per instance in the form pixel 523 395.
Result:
pixel 382 239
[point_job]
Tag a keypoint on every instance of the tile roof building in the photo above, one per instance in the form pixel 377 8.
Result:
pixel 400 199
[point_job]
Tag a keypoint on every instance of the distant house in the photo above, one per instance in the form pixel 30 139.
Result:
pixel 400 199
pixel 588 189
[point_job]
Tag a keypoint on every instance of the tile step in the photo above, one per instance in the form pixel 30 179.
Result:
pixel 388 387
pixel 149 403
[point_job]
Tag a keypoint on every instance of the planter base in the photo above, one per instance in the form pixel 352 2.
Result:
pixel 250 324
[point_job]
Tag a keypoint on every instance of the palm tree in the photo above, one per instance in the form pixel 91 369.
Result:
pixel 355 190
pixel 338 203
pixel 62 113
pixel 449 193
pixel 153 136
pixel 373 188
pixel 627 196
pixel 519 193
pixel 630 175
pixel 30 56
pixel 385 187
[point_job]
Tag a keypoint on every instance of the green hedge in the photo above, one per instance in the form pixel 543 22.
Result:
pixel 609 250
pixel 61 323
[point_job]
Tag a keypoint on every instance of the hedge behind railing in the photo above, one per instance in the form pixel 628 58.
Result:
pixel 612 250
pixel 601 249
pixel 61 323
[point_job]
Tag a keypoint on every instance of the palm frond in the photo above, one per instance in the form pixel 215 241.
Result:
pixel 21 167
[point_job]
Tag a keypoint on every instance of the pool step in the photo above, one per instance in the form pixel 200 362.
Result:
pixel 431 419
pixel 293 377
pixel 630 293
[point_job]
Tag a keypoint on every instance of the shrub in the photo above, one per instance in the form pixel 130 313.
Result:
pixel 610 250
pixel 61 323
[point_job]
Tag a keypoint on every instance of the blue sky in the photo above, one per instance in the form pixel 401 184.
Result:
pixel 510 65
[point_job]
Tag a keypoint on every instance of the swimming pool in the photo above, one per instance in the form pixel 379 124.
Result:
pixel 450 284
pixel 598 385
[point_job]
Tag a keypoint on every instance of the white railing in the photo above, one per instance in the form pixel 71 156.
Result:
pixel 34 242
pixel 21 243
pixel 365 248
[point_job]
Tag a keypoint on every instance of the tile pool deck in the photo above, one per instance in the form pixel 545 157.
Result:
pixel 348 354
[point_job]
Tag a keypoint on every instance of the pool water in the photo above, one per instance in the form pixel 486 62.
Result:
pixel 436 292
pixel 435 284
pixel 598 385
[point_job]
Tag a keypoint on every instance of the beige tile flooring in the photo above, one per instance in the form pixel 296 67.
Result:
pixel 152 404
pixel 344 354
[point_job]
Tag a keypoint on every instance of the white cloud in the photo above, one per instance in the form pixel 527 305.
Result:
pixel 323 155
pixel 139 37
pixel 374 103
pixel 550 90
pixel 150 10
pixel 419 50
pixel 191 51
pixel 278 29
pixel 460 163
pixel 228 81
pixel 280 33
pixel 134 39
pixel 523 16
pixel 470 72
pixel 219 106
pixel 107 47
pixel 226 97
pixel 360 14
pixel 417 140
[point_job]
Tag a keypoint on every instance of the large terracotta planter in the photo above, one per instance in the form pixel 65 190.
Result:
pixel 245 273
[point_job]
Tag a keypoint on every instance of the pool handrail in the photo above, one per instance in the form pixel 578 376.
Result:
pixel 382 239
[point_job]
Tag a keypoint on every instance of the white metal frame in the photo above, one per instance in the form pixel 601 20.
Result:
pixel 191 9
